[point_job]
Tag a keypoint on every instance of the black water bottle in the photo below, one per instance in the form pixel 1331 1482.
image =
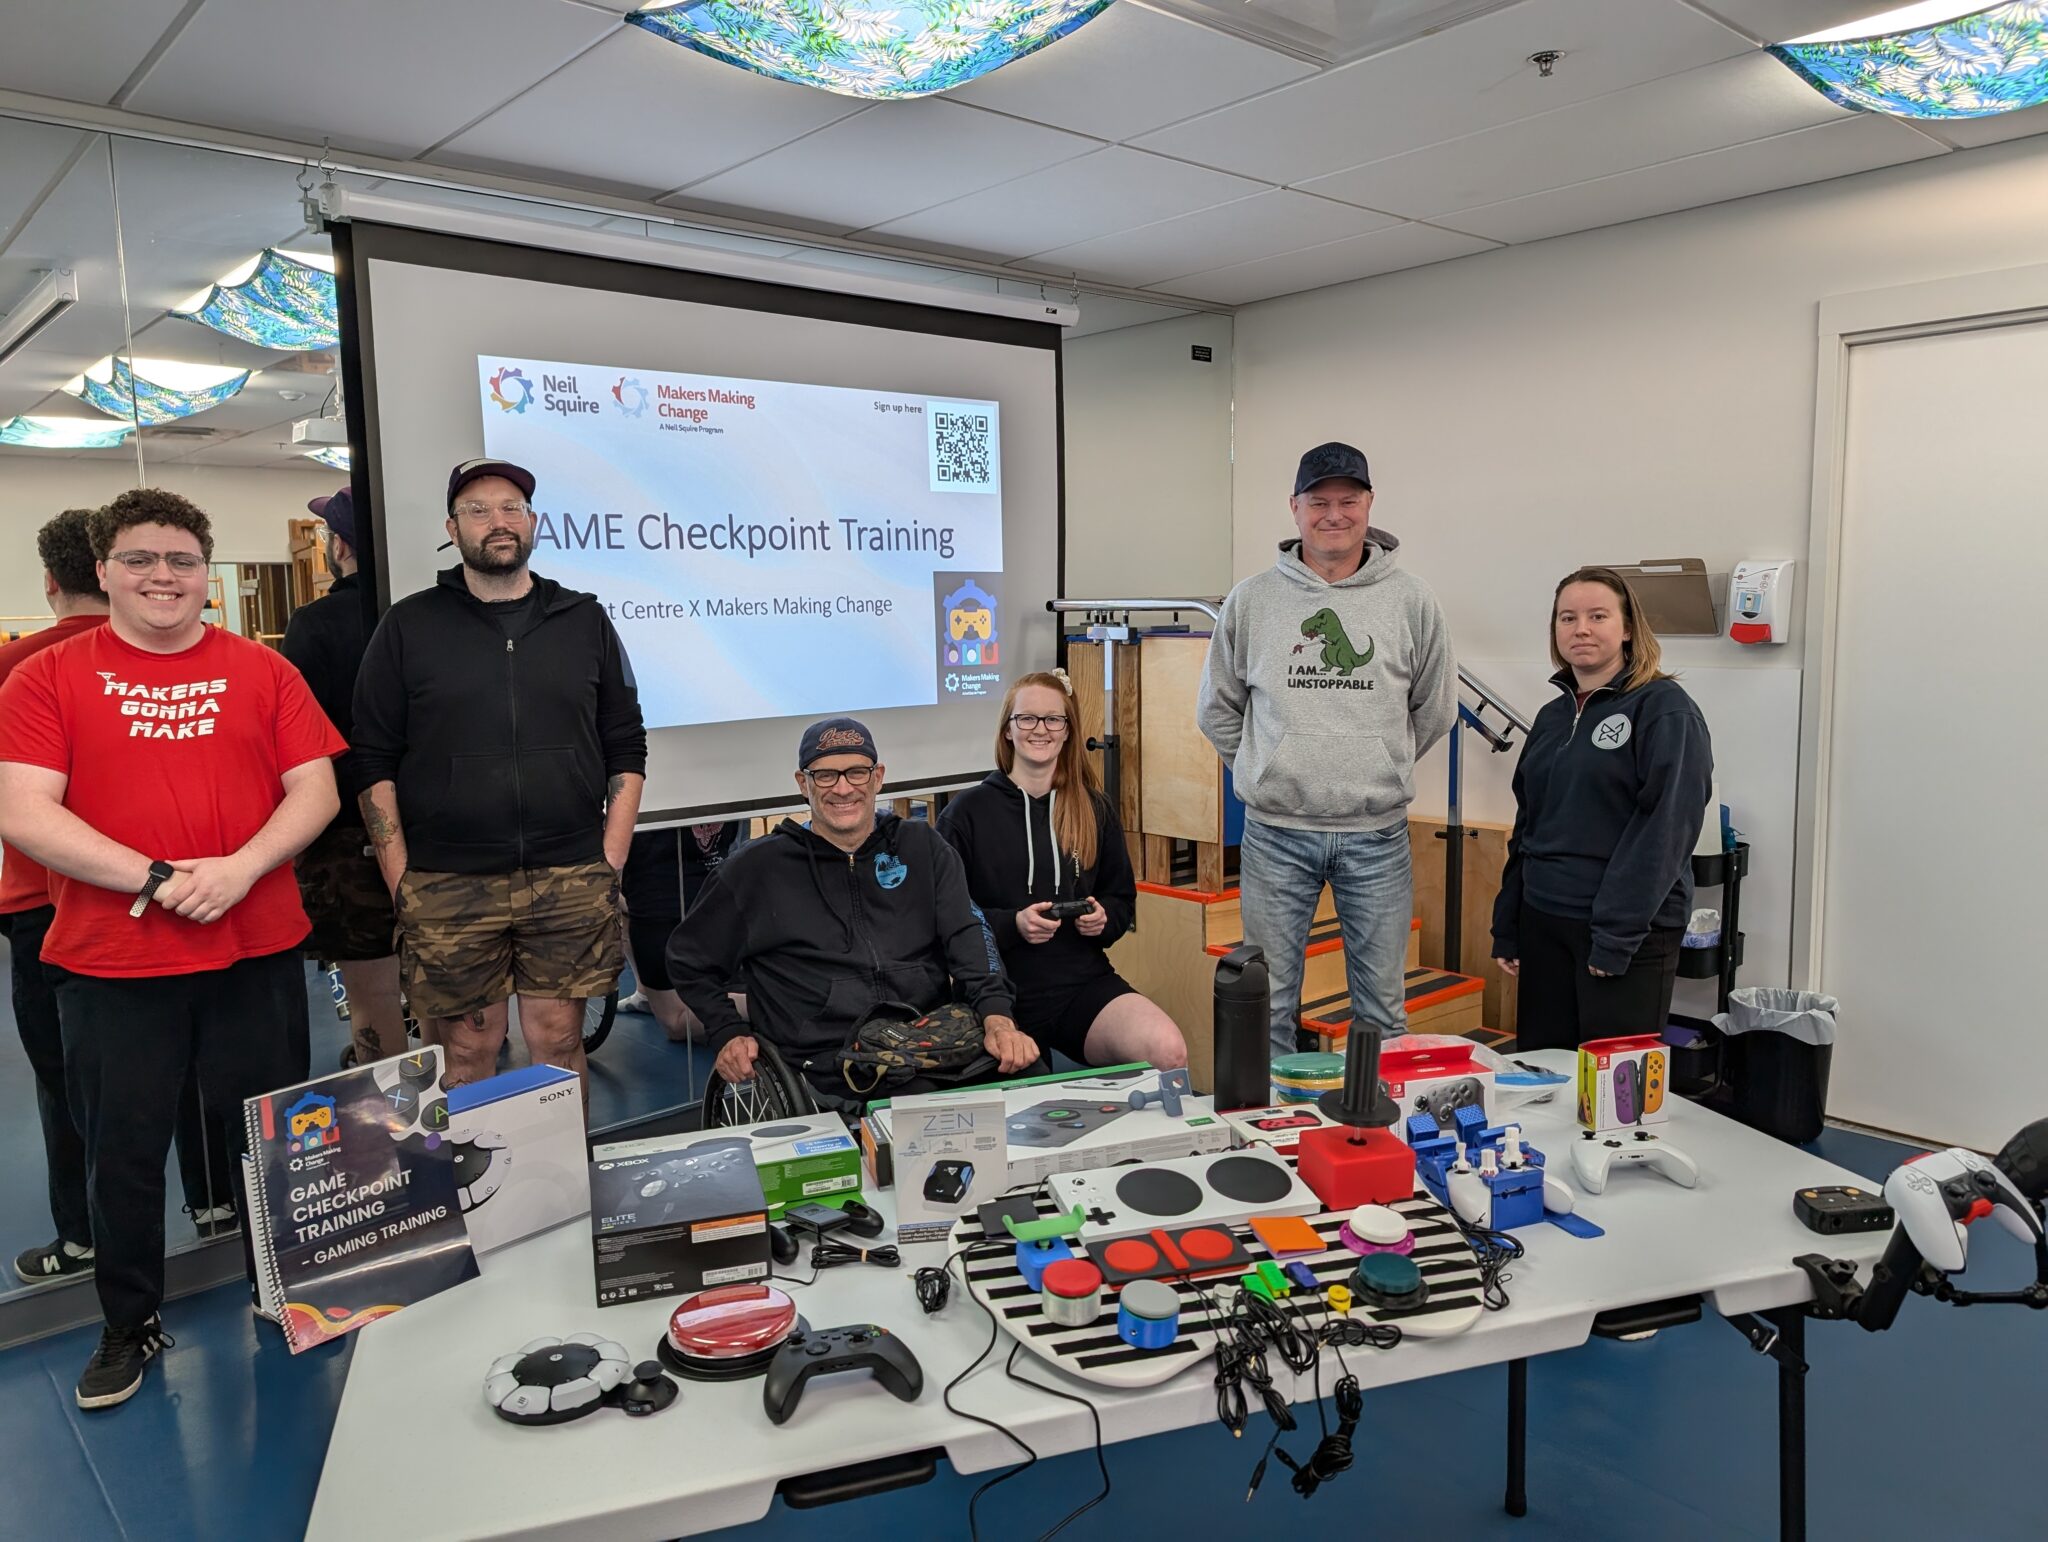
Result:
pixel 1243 1046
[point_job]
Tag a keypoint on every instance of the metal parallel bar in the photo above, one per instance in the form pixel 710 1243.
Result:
pixel 1211 607
pixel 1791 1325
pixel 1517 1500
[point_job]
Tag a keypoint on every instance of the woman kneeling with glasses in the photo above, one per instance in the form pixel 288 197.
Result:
pixel 1046 862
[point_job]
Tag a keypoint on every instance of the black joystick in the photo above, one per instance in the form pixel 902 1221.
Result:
pixel 1362 1101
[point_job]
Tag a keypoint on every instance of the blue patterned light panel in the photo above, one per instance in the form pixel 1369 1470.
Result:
pixel 284 304
pixel 1975 66
pixel 877 49
pixel 129 396
pixel 62 434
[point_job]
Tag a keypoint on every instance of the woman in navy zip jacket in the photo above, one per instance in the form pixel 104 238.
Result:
pixel 1038 830
pixel 1610 793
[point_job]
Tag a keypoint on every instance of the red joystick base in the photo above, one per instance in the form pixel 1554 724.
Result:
pixel 1348 1167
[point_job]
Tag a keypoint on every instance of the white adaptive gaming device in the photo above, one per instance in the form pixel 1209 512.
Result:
pixel 1938 1195
pixel 1206 1190
pixel 1595 1155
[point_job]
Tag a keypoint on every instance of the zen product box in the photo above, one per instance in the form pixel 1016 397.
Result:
pixel 801 1160
pixel 1438 1081
pixel 666 1221
pixel 1624 1082
pixel 948 1151
pixel 519 1153
pixel 1073 1123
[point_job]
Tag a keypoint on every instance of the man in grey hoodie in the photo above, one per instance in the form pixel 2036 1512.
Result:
pixel 1329 674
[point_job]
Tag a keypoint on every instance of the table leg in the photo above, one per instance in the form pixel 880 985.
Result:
pixel 1791 1325
pixel 1517 1501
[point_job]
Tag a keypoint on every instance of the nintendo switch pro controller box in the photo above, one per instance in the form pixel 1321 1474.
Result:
pixel 1436 1080
pixel 1624 1082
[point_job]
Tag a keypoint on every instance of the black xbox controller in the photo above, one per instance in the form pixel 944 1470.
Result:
pixel 826 1351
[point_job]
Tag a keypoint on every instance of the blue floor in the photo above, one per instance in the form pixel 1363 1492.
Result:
pixel 1928 1431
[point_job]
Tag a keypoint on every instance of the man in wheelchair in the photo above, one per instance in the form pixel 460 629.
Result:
pixel 823 919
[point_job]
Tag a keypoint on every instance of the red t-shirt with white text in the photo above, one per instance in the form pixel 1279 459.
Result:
pixel 175 755
pixel 23 883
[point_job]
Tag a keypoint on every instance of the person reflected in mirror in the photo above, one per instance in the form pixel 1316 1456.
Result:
pixel 666 871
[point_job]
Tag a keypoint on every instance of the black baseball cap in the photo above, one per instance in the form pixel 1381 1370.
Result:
pixel 338 512
pixel 468 471
pixel 836 736
pixel 1331 460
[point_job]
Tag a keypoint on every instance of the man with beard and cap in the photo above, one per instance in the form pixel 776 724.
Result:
pixel 500 751
pixel 1328 677
pixel 340 883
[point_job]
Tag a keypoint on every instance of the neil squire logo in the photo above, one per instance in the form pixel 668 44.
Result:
pixel 511 390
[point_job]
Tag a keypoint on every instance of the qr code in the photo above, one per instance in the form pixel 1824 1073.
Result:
pixel 961 444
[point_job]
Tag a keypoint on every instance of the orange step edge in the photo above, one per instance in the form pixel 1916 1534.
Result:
pixel 1465 985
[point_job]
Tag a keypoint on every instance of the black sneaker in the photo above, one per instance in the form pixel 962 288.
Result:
pixel 212 1221
pixel 115 1370
pixel 38 1266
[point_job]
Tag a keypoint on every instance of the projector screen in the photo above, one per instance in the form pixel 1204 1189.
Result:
pixel 793 503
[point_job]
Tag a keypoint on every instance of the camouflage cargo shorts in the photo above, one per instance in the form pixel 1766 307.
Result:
pixel 467 940
pixel 345 898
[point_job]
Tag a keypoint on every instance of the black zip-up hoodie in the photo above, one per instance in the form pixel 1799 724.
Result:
pixel 815 936
pixel 1609 800
pixel 500 745
pixel 987 825
pixel 324 641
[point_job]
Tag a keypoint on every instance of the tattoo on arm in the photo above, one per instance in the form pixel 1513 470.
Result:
pixel 614 787
pixel 381 826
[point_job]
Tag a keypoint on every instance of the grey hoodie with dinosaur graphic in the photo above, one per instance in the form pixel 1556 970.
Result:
pixel 1322 696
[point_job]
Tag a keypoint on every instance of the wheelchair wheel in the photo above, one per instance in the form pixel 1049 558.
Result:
pixel 599 1013
pixel 776 1092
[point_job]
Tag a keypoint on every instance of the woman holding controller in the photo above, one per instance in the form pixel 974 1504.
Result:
pixel 1045 860
pixel 1609 796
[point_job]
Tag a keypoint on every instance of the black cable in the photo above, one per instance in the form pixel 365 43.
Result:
pixel 833 1255
pixel 934 1287
pixel 1494 1250
pixel 946 1397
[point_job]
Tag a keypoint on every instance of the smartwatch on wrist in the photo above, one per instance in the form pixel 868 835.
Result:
pixel 159 871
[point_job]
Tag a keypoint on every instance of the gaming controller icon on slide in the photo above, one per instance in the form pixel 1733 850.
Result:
pixel 826 1352
pixel 1938 1195
pixel 1593 1157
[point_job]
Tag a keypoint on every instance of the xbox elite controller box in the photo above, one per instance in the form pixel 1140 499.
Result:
pixel 520 1165
pixel 666 1221
pixel 1624 1082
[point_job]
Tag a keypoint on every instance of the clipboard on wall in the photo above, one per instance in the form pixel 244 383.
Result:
pixel 1678 595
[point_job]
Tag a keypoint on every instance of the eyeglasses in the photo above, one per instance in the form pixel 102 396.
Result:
pixel 515 508
pixel 1030 722
pixel 144 562
pixel 854 776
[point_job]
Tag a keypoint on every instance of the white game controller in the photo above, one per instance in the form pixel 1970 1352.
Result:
pixel 1938 1195
pixel 1595 1155
pixel 1472 1201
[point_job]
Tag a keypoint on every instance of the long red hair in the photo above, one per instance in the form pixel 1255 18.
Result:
pixel 1074 816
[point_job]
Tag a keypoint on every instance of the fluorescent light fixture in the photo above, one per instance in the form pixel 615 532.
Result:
pixel 54 433
pixel 55 293
pixel 335 456
pixel 153 391
pixel 275 299
pixel 1931 61
pixel 876 49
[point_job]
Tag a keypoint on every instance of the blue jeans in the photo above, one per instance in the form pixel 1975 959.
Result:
pixel 1281 874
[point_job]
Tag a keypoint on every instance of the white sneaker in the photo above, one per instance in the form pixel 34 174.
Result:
pixel 637 1002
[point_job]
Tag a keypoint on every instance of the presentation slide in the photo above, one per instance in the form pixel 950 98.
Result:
pixel 766 548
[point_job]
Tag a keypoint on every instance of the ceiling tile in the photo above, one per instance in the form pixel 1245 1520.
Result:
pixel 1074 201
pixel 882 163
pixel 1335 262
pixel 81 52
pixel 1774 21
pixel 1968 133
pixel 391 77
pixel 1263 225
pixel 1130 70
pixel 1470 77
pixel 1112 313
pixel 31 156
pixel 685 117
pixel 1751 96
pixel 1862 142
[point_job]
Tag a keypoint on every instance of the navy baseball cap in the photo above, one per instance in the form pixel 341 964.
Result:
pixel 836 736
pixel 468 471
pixel 337 511
pixel 1331 460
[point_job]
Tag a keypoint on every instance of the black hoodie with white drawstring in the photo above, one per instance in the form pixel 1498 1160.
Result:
pixel 816 936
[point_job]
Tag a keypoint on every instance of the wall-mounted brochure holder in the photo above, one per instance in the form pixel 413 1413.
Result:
pixel 1680 598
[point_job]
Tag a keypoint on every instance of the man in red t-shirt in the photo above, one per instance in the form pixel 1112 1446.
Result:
pixel 71 587
pixel 166 772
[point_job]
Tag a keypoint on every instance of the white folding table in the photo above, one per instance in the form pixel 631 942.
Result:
pixel 714 1459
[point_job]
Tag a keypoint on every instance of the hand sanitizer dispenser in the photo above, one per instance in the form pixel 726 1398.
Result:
pixel 1760 602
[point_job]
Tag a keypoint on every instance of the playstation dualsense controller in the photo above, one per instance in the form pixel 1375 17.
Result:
pixel 1594 1156
pixel 1938 1195
pixel 826 1352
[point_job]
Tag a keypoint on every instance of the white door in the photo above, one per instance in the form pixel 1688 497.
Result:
pixel 1935 906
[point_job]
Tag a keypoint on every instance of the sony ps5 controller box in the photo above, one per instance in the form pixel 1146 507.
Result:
pixel 520 1165
pixel 1623 1082
pixel 1075 1122
pixel 666 1221
pixel 807 1158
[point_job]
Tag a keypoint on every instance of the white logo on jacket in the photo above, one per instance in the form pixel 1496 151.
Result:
pixel 1612 732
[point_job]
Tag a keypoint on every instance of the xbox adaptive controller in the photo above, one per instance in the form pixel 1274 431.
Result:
pixel 1938 1195
pixel 827 1351
pixel 1594 1155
